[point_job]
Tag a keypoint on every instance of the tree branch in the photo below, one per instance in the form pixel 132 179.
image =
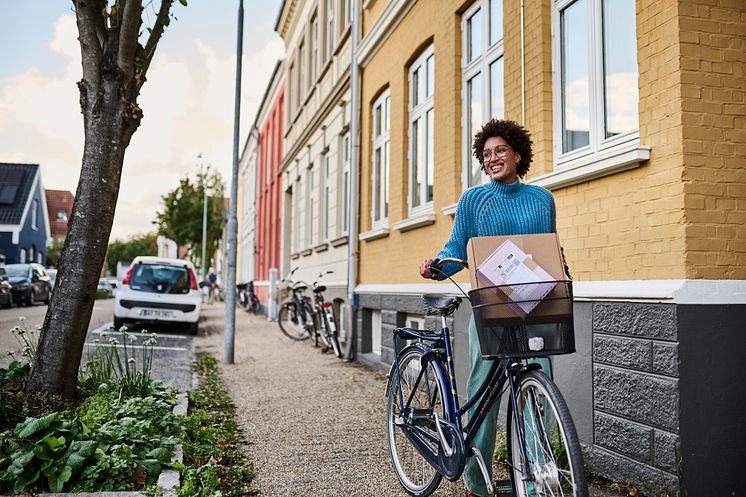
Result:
pixel 155 35
pixel 90 47
pixel 128 32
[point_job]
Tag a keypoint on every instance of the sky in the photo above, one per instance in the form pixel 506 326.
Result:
pixel 187 101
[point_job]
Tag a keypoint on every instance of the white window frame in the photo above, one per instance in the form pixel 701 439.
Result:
pixel 381 148
pixel 293 95
pixel 602 156
pixel 302 74
pixel 35 214
pixel 22 256
pixel 344 183
pixel 298 212
pixel 61 215
pixel 326 195
pixel 314 50
pixel 420 105
pixel 479 65
pixel 376 328
pixel 311 202
pixel 329 32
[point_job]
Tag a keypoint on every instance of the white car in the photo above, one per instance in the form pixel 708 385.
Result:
pixel 158 289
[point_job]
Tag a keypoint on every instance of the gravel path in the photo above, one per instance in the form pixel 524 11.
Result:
pixel 315 425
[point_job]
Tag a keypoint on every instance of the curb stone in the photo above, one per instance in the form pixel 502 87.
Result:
pixel 167 480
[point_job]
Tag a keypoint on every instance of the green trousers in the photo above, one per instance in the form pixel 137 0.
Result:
pixel 484 440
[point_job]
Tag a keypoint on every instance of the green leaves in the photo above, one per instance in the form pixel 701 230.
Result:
pixel 183 2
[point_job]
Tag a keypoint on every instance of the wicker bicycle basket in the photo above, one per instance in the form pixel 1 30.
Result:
pixel 511 327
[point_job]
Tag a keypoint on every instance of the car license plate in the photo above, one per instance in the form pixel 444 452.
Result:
pixel 151 313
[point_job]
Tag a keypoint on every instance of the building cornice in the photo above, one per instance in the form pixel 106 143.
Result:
pixel 392 15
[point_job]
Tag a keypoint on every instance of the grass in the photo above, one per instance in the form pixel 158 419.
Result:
pixel 215 464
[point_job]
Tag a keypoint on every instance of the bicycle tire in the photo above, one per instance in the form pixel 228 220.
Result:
pixel 552 446
pixel 289 321
pixel 311 328
pixel 333 335
pixel 415 474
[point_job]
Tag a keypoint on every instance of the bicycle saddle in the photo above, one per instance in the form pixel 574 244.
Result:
pixel 319 289
pixel 440 304
pixel 300 288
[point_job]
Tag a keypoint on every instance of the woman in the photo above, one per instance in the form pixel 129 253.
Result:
pixel 504 206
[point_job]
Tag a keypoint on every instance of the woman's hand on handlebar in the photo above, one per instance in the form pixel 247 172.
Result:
pixel 425 271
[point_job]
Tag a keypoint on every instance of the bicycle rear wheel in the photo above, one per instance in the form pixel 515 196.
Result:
pixel 331 332
pixel 291 322
pixel 553 465
pixel 415 474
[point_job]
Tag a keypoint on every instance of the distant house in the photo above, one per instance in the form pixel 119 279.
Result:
pixel 59 210
pixel 24 225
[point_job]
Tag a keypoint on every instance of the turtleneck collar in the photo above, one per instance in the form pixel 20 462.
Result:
pixel 505 189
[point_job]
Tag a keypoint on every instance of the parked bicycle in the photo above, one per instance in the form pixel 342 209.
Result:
pixel 324 313
pixel 247 298
pixel 296 316
pixel 427 437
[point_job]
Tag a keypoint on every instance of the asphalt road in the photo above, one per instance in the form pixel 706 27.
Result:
pixel 172 351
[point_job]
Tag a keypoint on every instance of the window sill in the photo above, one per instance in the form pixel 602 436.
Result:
pixel 322 247
pixel 338 242
pixel 374 234
pixel 306 252
pixel 450 210
pixel 616 160
pixel 418 220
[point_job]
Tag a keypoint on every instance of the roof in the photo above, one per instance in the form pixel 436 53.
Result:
pixel 59 200
pixel 16 181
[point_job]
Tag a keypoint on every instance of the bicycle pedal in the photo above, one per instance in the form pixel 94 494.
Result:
pixel 325 350
pixel 503 488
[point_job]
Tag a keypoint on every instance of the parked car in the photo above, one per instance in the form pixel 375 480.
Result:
pixel 52 276
pixel 103 286
pixel 114 285
pixel 158 289
pixel 30 283
pixel 6 289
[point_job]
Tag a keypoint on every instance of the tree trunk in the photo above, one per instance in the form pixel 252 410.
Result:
pixel 111 116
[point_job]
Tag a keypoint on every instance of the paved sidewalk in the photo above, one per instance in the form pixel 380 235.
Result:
pixel 315 425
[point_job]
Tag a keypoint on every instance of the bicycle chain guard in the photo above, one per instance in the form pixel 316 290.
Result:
pixel 451 466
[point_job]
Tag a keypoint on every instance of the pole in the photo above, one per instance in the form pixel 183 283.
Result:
pixel 352 242
pixel 204 222
pixel 230 294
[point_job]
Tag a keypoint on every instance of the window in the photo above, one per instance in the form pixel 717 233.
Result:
pixel 421 115
pixel 596 93
pixel 348 13
pixel 380 202
pixel 482 77
pixel 326 196
pixel 311 196
pixel 298 212
pixel 345 180
pixel 314 49
pixel 375 329
pixel 293 98
pixel 61 215
pixel 22 256
pixel 329 43
pixel 34 215
pixel 39 257
pixel 301 74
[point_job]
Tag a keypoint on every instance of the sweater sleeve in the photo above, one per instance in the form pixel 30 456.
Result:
pixel 463 228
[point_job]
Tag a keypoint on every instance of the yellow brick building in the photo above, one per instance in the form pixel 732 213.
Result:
pixel 637 111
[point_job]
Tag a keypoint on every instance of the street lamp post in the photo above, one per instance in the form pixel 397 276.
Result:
pixel 204 227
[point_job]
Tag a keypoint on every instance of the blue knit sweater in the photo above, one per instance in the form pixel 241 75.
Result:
pixel 496 209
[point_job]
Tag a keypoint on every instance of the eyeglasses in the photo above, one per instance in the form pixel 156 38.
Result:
pixel 498 152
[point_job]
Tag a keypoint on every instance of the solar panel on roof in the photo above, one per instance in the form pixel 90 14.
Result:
pixel 8 194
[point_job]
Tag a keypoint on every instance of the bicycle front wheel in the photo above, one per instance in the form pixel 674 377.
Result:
pixel 331 330
pixel 551 463
pixel 427 392
pixel 291 322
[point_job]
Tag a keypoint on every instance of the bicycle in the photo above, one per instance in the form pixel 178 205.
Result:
pixel 247 297
pixel 427 438
pixel 296 314
pixel 327 325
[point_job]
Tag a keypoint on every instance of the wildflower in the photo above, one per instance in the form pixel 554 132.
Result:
pixel 132 338
pixel 131 360
pixel 113 341
pixel 22 318
pixel 96 340
pixel 19 331
pixel 104 334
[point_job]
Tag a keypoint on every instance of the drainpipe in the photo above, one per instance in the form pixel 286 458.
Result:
pixel 352 230
pixel 523 73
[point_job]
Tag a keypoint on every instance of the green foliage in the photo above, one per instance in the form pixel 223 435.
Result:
pixel 54 252
pixel 501 447
pixel 181 216
pixel 215 465
pixel 128 250
pixel 118 363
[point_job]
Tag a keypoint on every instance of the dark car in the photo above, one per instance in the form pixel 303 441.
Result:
pixel 6 297
pixel 30 283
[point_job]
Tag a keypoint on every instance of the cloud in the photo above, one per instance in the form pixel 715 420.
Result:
pixel 188 105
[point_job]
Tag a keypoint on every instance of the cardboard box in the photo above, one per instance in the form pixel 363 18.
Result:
pixel 519 277
pixel 545 252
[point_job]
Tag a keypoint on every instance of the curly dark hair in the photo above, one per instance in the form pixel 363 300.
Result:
pixel 517 137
